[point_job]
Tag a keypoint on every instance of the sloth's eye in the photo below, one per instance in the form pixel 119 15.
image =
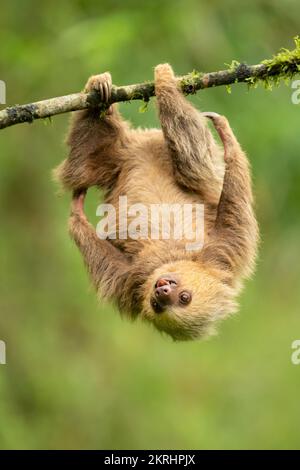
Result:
pixel 185 297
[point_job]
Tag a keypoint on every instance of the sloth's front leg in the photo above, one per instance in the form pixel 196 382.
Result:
pixel 95 142
pixel 188 137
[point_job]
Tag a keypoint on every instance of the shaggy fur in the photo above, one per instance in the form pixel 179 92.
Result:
pixel 181 163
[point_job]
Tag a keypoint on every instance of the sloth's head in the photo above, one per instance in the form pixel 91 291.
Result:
pixel 186 300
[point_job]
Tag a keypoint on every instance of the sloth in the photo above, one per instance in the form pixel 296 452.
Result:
pixel 184 293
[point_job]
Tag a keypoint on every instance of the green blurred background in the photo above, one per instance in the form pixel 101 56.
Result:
pixel 77 375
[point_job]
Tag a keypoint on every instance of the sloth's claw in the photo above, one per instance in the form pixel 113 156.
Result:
pixel 211 115
pixel 102 83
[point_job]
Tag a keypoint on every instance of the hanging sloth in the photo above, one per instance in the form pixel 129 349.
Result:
pixel 183 293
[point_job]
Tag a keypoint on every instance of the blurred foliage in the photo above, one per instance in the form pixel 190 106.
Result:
pixel 77 375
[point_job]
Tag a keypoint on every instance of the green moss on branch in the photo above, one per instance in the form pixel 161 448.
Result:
pixel 282 66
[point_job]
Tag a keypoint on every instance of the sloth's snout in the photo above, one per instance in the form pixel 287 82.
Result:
pixel 163 294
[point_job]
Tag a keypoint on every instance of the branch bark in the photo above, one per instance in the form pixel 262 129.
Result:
pixel 285 65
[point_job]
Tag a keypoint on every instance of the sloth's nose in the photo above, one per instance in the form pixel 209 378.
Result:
pixel 162 294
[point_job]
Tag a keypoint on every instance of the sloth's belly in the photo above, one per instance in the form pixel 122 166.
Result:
pixel 150 208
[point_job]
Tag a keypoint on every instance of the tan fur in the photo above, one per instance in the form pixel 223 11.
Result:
pixel 181 163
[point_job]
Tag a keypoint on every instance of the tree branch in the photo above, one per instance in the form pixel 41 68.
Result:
pixel 284 65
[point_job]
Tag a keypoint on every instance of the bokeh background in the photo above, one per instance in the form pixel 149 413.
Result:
pixel 77 375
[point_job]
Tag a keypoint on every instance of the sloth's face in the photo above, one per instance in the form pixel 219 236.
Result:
pixel 185 300
pixel 167 291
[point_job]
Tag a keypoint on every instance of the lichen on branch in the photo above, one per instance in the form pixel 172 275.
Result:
pixel 282 66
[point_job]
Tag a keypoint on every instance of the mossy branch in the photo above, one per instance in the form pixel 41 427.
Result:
pixel 284 65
